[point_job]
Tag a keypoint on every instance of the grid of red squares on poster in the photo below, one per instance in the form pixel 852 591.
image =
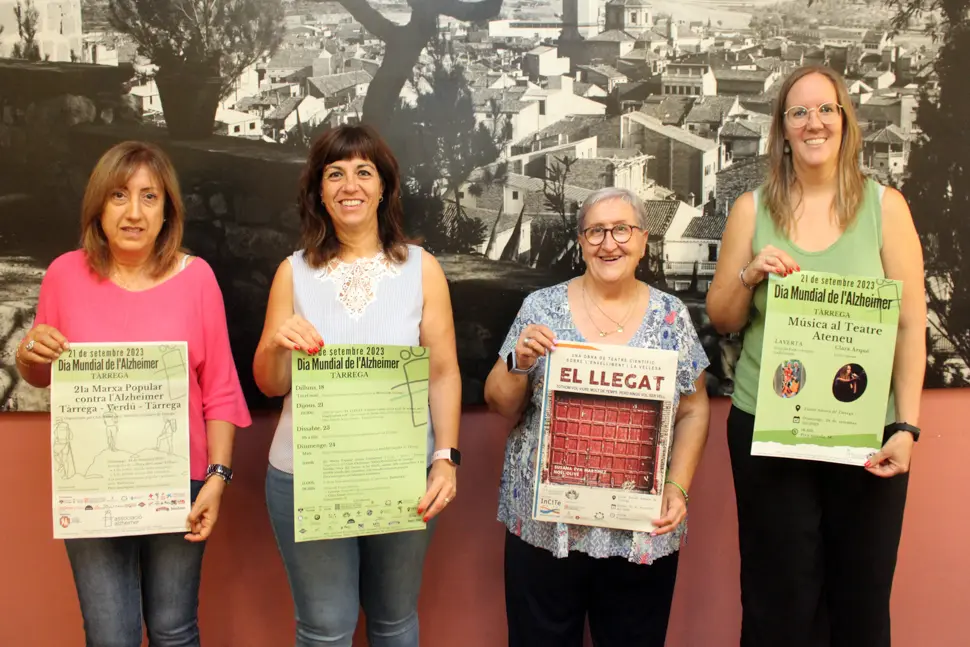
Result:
pixel 604 441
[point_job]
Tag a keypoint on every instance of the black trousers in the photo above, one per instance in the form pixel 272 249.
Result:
pixel 818 548
pixel 547 598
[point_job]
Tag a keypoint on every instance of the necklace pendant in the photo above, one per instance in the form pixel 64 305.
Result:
pixel 620 329
pixel 602 334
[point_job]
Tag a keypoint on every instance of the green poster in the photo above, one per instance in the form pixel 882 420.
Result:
pixel 360 440
pixel 826 366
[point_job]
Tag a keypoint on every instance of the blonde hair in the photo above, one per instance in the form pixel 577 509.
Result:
pixel 781 170
pixel 113 170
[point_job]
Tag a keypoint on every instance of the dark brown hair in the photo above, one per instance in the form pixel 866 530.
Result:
pixel 319 240
pixel 781 171
pixel 112 171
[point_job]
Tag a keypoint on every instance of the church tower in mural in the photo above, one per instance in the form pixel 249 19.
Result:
pixel 580 18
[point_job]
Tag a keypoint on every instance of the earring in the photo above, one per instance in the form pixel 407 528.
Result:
pixel 380 199
pixel 787 147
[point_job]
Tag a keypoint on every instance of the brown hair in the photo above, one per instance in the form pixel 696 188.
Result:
pixel 781 171
pixel 319 240
pixel 113 170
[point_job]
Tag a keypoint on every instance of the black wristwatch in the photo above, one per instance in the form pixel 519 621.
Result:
pixel 904 426
pixel 510 362
pixel 221 471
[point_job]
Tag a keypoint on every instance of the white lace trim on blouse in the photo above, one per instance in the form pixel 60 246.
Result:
pixel 357 281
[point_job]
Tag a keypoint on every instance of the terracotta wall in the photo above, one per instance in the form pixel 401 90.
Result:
pixel 246 603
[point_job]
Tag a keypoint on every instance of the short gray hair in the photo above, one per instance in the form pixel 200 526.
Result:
pixel 613 193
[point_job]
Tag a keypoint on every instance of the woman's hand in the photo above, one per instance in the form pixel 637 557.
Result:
pixel 205 511
pixel 442 488
pixel 769 259
pixel 894 457
pixel 296 333
pixel 534 342
pixel 42 345
pixel 672 511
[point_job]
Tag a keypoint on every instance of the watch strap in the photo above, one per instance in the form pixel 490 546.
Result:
pixel 513 368
pixel 905 426
pixel 450 454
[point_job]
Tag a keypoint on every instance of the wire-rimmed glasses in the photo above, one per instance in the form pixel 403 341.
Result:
pixel 828 114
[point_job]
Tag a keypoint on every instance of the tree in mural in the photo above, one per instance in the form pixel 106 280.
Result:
pixel 403 44
pixel 201 47
pixel 439 143
pixel 27 17
pixel 938 183
pixel 553 242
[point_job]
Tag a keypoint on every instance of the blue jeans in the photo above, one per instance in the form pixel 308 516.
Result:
pixel 119 578
pixel 331 579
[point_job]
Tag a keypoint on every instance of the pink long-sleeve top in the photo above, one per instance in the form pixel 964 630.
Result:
pixel 186 307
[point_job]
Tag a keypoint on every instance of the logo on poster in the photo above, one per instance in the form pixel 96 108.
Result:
pixel 548 505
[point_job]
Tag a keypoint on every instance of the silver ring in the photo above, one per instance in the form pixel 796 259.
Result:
pixel 30 346
pixel 447 500
pixel 526 340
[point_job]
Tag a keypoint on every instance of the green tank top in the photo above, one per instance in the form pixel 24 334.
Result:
pixel 856 252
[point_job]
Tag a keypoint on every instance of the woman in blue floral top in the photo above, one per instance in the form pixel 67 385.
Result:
pixel 557 573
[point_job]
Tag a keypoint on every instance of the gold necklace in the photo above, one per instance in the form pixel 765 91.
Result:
pixel 619 326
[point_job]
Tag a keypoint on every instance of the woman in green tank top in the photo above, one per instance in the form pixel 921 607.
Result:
pixel 818 540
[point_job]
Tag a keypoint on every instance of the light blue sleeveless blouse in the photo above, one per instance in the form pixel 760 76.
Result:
pixel 369 301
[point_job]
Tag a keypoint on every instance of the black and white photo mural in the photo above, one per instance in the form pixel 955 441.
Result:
pixel 504 115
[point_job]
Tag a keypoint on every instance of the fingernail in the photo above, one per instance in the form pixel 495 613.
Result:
pixel 420 510
pixel 426 519
pixel 868 464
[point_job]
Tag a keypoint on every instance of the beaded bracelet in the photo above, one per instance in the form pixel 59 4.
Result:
pixel 682 490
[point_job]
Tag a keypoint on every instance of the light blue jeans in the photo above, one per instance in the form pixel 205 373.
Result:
pixel 121 579
pixel 331 579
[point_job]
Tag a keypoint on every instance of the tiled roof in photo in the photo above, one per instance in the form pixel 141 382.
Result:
pixel 706 227
pixel 660 213
pixel 288 59
pixel 669 109
pixel 725 74
pixel 611 36
pixel 711 109
pixel 741 129
pixel 333 83
pixel 891 134
pixel 286 106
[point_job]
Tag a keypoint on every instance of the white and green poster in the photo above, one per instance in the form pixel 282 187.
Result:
pixel 120 439
pixel 826 366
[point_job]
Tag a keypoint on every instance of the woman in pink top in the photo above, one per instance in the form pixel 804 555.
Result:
pixel 131 282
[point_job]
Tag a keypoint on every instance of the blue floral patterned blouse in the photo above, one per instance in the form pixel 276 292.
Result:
pixel 666 325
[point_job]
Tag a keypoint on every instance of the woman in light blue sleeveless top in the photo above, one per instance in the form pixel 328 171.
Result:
pixel 355 281
pixel 818 539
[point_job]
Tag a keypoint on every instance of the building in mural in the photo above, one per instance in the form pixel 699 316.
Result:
pixel 505 115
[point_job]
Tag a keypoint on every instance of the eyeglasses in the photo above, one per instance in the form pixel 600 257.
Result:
pixel 620 233
pixel 828 114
